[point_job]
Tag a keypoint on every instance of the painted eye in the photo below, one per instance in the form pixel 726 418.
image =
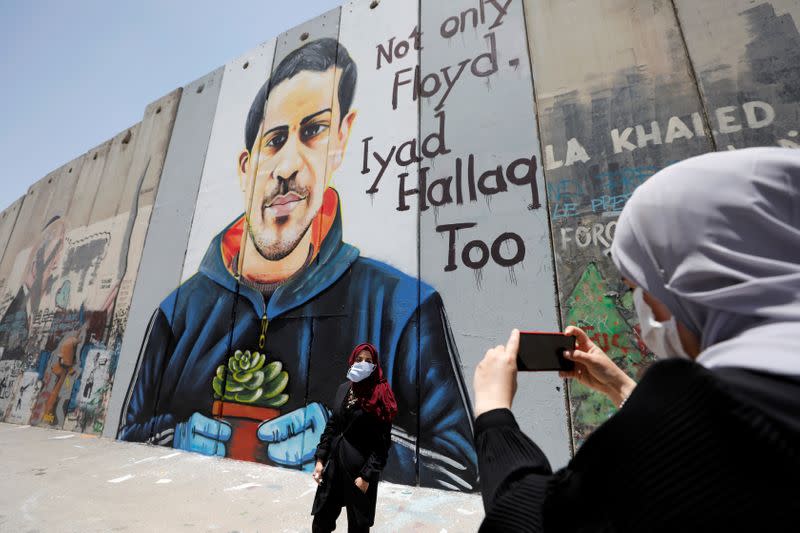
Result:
pixel 312 130
pixel 276 141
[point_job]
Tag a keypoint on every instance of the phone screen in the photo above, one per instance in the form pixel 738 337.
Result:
pixel 544 351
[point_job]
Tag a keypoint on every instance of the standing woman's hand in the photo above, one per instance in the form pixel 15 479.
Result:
pixel 317 475
pixel 362 484
pixel 495 379
pixel 595 369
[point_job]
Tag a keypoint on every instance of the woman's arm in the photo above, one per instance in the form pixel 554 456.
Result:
pixel 514 474
pixel 505 455
pixel 377 459
pixel 332 429
pixel 596 370
pixel 508 461
pixel 140 423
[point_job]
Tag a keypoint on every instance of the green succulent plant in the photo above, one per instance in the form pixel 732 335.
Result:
pixel 248 380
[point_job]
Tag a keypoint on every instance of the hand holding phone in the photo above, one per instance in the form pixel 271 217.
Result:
pixel 540 351
pixel 594 369
pixel 495 381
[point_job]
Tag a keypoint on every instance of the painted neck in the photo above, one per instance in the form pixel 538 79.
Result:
pixel 256 268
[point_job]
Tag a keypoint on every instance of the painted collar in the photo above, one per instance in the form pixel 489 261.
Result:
pixel 331 258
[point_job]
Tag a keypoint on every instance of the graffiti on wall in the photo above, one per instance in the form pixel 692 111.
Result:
pixel 608 318
pixel 241 360
pixel 384 183
pixel 68 272
pixel 419 180
pixel 608 129
pixel 53 326
pixel 244 358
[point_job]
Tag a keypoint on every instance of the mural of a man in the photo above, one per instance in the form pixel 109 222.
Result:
pixel 44 257
pixel 309 294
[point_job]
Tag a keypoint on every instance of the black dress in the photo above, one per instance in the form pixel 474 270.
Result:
pixel 691 450
pixel 355 444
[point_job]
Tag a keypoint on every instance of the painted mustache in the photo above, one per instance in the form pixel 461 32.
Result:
pixel 285 194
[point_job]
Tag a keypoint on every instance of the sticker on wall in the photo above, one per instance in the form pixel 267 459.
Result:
pixel 19 412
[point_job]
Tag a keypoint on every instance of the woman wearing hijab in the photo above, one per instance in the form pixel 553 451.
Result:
pixel 353 448
pixel 709 440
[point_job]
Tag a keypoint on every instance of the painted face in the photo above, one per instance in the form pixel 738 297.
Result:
pixel 364 356
pixel 45 255
pixel 300 148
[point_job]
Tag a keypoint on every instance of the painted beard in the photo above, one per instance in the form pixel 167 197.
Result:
pixel 276 243
pixel 271 248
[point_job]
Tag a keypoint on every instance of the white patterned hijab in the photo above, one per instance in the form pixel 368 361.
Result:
pixel 716 238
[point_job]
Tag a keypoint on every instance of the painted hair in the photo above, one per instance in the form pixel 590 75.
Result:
pixel 316 56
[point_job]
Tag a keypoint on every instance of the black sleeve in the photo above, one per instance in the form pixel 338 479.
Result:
pixel 140 422
pixel 684 454
pixel 514 474
pixel 446 453
pixel 377 459
pixel 332 429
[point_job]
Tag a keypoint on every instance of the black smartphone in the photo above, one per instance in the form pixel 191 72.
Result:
pixel 544 351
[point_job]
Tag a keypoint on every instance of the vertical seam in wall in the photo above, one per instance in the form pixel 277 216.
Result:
pixel 11 234
pixel 5 248
pixel 200 180
pixel 417 462
pixel 695 78
pixel 243 247
pixel 228 354
pixel 82 158
pixel 108 159
pixel 134 377
pixel 171 318
pixel 150 217
pixel 334 95
pixel 125 256
pixel 546 204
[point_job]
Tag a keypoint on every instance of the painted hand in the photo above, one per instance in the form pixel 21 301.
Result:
pixel 201 434
pixel 292 438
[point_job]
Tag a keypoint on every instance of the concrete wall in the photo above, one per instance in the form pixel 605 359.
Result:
pixel 69 267
pixel 471 185
pixel 617 102
pixel 164 250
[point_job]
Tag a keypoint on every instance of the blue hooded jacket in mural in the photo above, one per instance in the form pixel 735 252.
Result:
pixel 315 319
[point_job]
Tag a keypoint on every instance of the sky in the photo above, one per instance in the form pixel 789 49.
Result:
pixel 74 74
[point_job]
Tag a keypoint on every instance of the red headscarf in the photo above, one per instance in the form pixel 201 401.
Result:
pixel 374 393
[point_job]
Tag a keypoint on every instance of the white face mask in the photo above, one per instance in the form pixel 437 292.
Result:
pixel 661 337
pixel 360 371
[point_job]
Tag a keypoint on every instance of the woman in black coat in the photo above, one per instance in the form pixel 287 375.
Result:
pixel 709 440
pixel 354 446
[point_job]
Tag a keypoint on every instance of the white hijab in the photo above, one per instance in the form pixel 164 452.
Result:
pixel 716 238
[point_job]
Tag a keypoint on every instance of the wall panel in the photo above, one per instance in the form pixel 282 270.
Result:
pixel 616 103
pixel 293 161
pixel 164 249
pixel 484 235
pixel 89 180
pixel 7 220
pixel 8 372
pixel 112 185
pixel 422 176
pixel 193 308
pixel 380 44
pixel 747 58
pixel 31 261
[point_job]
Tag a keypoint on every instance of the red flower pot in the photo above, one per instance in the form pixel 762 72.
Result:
pixel 244 421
